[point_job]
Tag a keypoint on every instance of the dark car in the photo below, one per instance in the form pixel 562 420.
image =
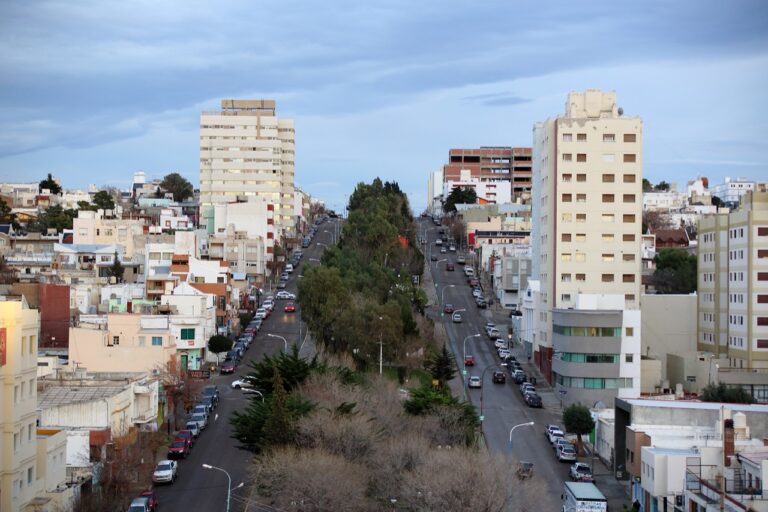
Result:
pixel 520 377
pixel 179 449
pixel 211 391
pixel 228 366
pixel 481 303
pixel 450 267
pixel 448 308
pixel 473 282
pixel 499 377
pixel 433 257
pixel 533 400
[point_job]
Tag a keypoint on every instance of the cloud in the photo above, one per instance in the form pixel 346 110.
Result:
pixel 496 99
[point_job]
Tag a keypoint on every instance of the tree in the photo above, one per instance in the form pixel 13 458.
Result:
pixel 218 344
pixel 116 270
pixel 177 185
pixel 50 184
pixel 459 195
pixel 578 420
pixel 441 366
pixel 727 394
pixel 55 217
pixel 278 427
pixel 675 271
pixel 717 202
pixel 647 186
pixel 103 200
pixel 662 186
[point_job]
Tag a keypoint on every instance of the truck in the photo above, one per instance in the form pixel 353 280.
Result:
pixel 583 497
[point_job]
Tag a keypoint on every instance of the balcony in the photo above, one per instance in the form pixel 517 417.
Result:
pixel 706 483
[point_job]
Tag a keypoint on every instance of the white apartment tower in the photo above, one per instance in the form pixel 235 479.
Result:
pixel 247 154
pixel 587 210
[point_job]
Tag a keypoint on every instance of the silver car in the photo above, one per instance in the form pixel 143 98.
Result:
pixel 566 452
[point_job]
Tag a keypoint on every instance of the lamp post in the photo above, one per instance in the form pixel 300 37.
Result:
pixel 482 388
pixel 333 236
pixel 464 351
pixel 285 342
pixel 229 482
pixel 529 424
pixel 381 350
pixel 321 243
pixel 442 295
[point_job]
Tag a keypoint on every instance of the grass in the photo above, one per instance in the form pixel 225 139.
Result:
pixel 416 378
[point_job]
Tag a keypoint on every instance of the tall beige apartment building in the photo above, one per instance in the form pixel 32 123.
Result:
pixel 733 292
pixel 587 211
pixel 19 332
pixel 247 154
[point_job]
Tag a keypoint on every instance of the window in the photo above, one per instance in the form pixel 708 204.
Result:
pixel 581 217
pixel 628 278
pixel 565 278
pixel 762 343
pixel 566 297
pixel 581 198
pixel 629 158
pixel 628 238
pixel 607 217
pixel 23 344
pixel 566 256
pixel 608 178
pixel 567 157
pixel 115 340
pixel 581 277
pixel 580 256
pixel 609 137
pixel 609 157
pixel 187 334
pixel 607 258
pixel 581 237
pixel 566 217
pixel 629 331
pixel 628 257
pixel 630 137
pixel 567 198
pixel 762 231
pixel 581 137
pixel 607 237
pixel 567 178
pixel 630 297
pixel 762 253
pixel 629 178
pixel 222 303
pixel 629 198
pixel 762 299
pixel 581 157
pixel 628 218
pixel 762 321
pixel 565 237
pixel 29 476
pixel 567 137
pixel 607 278
pixel 581 177
pixel 608 198
pixel 762 276
pixel 157 341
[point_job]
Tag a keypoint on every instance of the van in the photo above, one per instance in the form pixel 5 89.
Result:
pixel 583 497
pixel 289 268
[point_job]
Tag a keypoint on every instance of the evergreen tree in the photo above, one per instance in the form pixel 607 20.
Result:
pixel 177 185
pixel 50 184
pixel 116 270
pixel 459 195
pixel 103 200
pixel 441 366
pixel 727 394
pixel 675 271
pixel 578 420
pixel 278 427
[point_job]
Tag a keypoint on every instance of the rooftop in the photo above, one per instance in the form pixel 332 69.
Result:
pixel 692 404
pixel 57 396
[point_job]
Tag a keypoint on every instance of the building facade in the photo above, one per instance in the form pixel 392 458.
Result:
pixel 490 164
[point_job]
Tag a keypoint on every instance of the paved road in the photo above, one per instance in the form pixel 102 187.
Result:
pixel 206 490
pixel 502 405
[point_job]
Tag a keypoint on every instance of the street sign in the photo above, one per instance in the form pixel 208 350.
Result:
pixel 482 418
pixel 562 392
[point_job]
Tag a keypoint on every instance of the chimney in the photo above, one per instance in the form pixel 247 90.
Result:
pixel 728 442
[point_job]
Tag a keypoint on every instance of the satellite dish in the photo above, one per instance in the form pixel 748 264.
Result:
pixel 621 111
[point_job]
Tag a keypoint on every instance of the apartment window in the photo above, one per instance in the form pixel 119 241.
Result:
pixel 628 358
pixel 581 277
pixel 762 253
pixel 629 332
pixel 609 158
pixel 157 341
pixel 630 137
pixel 581 198
pixel 580 256
pixel 581 137
pixel 15 394
pixel 32 343
pixel 581 237
pixel 565 237
pixel 115 340
pixel 142 340
pixel 608 198
pixel 566 297
pixel 581 157
pixel 628 257
pixel 567 137
pixel 30 474
pixel 629 198
pixel 187 334
pixel 581 178
pixel 628 218
pixel 628 238
pixel 629 178
pixel 15 441
pixel 762 299
pixel 628 278
pixel 607 237
pixel 607 258
pixel 608 178
pixel 567 198
pixel 566 256
pixel 762 231
pixel 609 137
pixel 567 157
pixel 607 278
pixel 581 217
pixel 762 321
pixel 565 278
pixel 23 345
pixel 762 276
pixel 630 297
pixel 567 178
pixel 607 217
pixel 566 217
pixel 629 158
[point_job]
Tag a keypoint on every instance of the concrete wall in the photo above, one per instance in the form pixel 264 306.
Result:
pixel 669 326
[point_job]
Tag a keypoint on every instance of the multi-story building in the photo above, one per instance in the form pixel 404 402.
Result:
pixel 488 192
pixel 490 164
pixel 733 292
pixel 93 228
pixel 435 193
pixel 19 331
pixel 587 199
pixel 247 153
pixel 731 191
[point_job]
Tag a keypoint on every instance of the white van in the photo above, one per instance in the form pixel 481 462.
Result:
pixel 583 497
pixel 289 268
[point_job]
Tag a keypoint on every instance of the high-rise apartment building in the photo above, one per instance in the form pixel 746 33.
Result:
pixel 19 331
pixel 587 209
pixel 489 164
pixel 247 154
pixel 733 292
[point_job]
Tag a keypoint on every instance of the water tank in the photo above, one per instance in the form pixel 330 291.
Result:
pixel 679 393
pixel 739 420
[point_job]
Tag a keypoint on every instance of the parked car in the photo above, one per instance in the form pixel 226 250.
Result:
pixel 554 434
pixel 193 427
pixel 201 419
pixel 211 391
pixel 456 317
pixel 165 472
pixel 533 400
pixel 566 453
pixel 448 308
pixel 461 260
pixel 469 360
pixel 452 248
pixel 469 271
pixel 580 472
pixel 178 449
pixel 140 504
pixel 241 383
pixel 228 366
pixel 499 377
pixel 481 303
pixel 211 402
pixel 443 250
pixel 472 281
pixel 289 268
pixel 475 382
pixel 558 442
pixel 526 386
pixel 187 436
pixel 499 343
pixel 260 313
pixel 284 295
pixel 449 267
pixel 281 285
pixel 519 376
pixel 290 308
pixel 477 293
pixel 152 497
pixel 202 409
pixel 433 257
pixel 504 353
pixel 493 333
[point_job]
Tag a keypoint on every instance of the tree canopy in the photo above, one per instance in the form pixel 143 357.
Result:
pixel 116 270
pixel 727 394
pixel 103 200
pixel 459 195
pixel 55 217
pixel 50 184
pixel 578 420
pixel 675 271
pixel 177 185
pixel 218 344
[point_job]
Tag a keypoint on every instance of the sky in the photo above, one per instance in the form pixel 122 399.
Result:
pixel 92 91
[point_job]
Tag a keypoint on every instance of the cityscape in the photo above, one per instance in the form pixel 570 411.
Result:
pixel 542 290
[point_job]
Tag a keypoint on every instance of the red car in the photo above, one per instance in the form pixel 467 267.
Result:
pixel 179 449
pixel 228 366
pixel 187 436
pixel 448 308
pixel 290 307
pixel 152 502
pixel 449 267
pixel 469 360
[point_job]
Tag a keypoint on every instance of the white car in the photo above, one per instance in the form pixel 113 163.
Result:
pixel 499 343
pixel 475 382
pixel 284 295
pixel 261 313
pixel 452 248
pixel 554 434
pixel 268 305
pixel 241 383
pixel 456 317
pixel 477 292
pixel 566 453
pixel 493 333
pixel 165 472
pixel 503 354
pixel 469 271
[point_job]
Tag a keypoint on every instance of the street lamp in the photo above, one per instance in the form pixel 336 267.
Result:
pixel 529 424
pixel 442 297
pixel 315 259
pixel 381 350
pixel 464 351
pixel 321 243
pixel 229 481
pixel 285 342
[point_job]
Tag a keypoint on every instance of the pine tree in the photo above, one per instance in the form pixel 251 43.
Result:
pixel 278 429
pixel 441 366
pixel 116 270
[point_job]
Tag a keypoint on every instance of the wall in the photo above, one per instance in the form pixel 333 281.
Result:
pixel 54 316
pixel 669 326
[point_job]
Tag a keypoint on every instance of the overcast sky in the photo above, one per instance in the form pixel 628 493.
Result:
pixel 92 91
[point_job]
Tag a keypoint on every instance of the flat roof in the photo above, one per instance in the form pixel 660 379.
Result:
pixel 56 396
pixel 585 491
pixel 671 451
pixel 691 404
